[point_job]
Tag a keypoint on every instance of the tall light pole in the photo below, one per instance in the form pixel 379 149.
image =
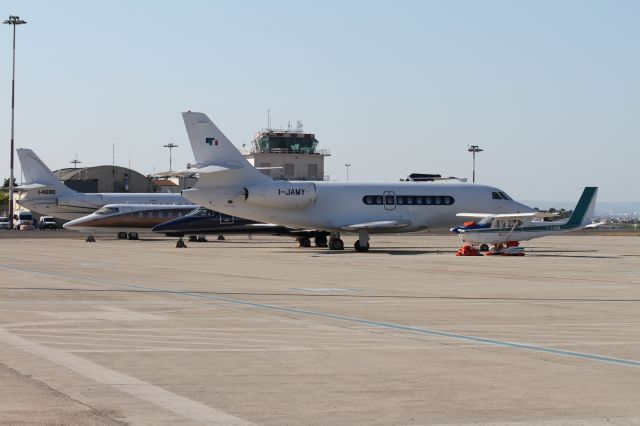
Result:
pixel 474 149
pixel 13 20
pixel 170 146
pixel 75 162
pixel 347 166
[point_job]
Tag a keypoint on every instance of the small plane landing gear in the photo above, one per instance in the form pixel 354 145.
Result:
pixel 304 242
pixel 180 244
pixel 360 248
pixel 133 235
pixel 320 240
pixel 90 239
pixel 122 235
pixel 336 244
pixel 221 237
pixel 484 247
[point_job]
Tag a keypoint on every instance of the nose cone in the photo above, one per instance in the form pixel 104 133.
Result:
pixel 166 226
pixel 522 208
pixel 76 224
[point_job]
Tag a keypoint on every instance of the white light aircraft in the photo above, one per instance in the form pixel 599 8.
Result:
pixel 504 231
pixel 48 196
pixel 230 184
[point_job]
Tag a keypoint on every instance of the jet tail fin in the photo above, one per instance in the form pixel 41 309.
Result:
pixel 36 172
pixel 212 148
pixel 583 212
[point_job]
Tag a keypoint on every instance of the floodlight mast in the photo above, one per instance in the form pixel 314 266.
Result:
pixel 170 145
pixel 13 20
pixel 473 149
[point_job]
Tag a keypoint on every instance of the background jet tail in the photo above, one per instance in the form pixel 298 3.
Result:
pixel 583 213
pixel 36 172
pixel 216 155
pixel 209 144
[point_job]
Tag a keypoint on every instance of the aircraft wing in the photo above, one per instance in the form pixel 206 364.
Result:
pixel 381 224
pixel 508 216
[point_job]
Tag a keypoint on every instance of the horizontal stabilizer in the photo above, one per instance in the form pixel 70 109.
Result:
pixel 381 224
pixel 29 186
pixel 595 224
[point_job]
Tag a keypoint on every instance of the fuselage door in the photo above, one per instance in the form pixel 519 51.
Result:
pixel 389 200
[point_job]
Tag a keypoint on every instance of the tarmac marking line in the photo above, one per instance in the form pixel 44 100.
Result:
pixel 379 324
pixel 158 396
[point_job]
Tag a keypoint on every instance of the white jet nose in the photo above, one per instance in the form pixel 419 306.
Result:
pixel 74 224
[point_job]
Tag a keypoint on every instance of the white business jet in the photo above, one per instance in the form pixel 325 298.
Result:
pixel 48 196
pixel 230 184
pixel 504 231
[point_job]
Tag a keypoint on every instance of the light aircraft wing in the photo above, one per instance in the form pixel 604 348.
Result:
pixel 381 224
pixel 508 216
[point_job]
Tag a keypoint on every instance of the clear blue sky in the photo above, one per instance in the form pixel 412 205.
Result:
pixel 549 89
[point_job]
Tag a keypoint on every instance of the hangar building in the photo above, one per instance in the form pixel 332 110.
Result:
pixel 105 179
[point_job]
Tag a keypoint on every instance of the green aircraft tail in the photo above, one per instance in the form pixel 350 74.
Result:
pixel 583 213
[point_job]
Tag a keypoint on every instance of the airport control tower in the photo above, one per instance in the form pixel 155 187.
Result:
pixel 288 154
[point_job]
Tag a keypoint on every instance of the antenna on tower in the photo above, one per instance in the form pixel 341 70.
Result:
pixel 268 119
pixel 299 126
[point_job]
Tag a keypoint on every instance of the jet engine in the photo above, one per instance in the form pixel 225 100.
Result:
pixel 286 195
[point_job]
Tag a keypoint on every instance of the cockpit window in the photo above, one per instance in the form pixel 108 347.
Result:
pixel 107 210
pixel 201 211
pixel 500 196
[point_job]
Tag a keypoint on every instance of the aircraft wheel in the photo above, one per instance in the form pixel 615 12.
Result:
pixel 304 242
pixel 133 235
pixel 180 244
pixel 360 248
pixel 321 240
pixel 202 239
pixel 336 244
pixel 193 238
pixel 221 237
pixel 122 235
pixel 484 247
pixel 90 239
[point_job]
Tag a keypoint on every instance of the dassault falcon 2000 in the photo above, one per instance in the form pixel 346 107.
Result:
pixel 46 195
pixel 230 184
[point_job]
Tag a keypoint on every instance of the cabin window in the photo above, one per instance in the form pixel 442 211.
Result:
pixel 402 200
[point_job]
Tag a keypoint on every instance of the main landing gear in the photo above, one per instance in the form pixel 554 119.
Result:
pixel 90 239
pixel 362 244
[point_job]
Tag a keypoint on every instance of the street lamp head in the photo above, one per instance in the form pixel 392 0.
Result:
pixel 15 20
pixel 475 148
pixel 170 145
